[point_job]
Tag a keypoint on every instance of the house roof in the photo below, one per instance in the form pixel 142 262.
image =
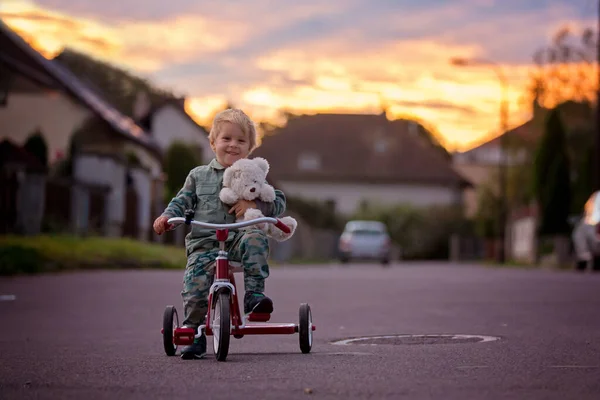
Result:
pixel 18 55
pixel 524 133
pixel 178 104
pixel 354 148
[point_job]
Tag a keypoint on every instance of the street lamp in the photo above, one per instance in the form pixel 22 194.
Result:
pixel 502 164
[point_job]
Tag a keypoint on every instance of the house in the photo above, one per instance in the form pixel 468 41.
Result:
pixel 345 159
pixel 104 147
pixel 169 122
pixel 481 164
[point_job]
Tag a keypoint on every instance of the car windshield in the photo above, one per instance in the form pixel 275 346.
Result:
pixel 371 228
pixel 366 232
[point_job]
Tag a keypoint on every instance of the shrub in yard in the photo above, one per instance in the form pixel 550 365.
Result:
pixel 421 233
pixel 17 259
pixel 36 145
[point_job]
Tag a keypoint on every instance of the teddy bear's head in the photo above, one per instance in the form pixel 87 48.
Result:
pixel 247 179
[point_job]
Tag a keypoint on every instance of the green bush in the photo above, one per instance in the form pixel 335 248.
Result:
pixel 317 214
pixel 421 233
pixel 36 145
pixel 17 259
pixel 47 253
pixel 179 160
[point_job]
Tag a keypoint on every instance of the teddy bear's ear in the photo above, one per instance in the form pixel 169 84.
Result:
pixel 230 174
pixel 262 164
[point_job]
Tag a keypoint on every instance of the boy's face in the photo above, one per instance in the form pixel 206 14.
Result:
pixel 230 145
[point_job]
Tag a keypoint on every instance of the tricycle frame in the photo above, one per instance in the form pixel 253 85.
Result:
pixel 224 284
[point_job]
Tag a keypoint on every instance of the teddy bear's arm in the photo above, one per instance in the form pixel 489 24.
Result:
pixel 275 208
pixel 228 196
pixel 267 193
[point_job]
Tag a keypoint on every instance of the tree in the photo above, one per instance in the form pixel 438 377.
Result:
pixel 565 69
pixel 552 182
pixel 119 87
pixel 565 78
pixel 487 219
pixel 36 145
pixel 179 160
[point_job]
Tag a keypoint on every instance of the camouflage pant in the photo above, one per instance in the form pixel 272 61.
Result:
pixel 251 248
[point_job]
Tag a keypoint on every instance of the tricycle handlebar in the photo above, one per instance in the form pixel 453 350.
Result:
pixel 235 225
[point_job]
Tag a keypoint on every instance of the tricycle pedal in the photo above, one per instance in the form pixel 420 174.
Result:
pixel 184 336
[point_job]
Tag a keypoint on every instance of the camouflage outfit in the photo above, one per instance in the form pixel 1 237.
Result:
pixel 250 247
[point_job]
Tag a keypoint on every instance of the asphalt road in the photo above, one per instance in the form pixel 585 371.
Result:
pixel 96 335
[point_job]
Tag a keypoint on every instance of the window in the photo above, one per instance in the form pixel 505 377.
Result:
pixel 380 145
pixel 309 162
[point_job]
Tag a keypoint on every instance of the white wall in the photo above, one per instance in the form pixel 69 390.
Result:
pixel 103 170
pixel 169 125
pixel 147 159
pixel 143 187
pixel 349 196
pixel 523 239
pixel 54 113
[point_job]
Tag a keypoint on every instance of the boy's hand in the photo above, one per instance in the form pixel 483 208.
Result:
pixel 241 206
pixel 161 225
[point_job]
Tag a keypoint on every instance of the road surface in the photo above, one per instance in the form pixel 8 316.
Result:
pixel 96 335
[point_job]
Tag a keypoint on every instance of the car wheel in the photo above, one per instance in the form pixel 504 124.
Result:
pixel 580 265
pixel 596 264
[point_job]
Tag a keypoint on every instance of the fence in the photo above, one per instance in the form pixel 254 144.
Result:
pixel 33 203
pixel 8 203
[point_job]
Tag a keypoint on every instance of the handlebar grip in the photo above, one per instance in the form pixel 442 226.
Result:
pixel 282 226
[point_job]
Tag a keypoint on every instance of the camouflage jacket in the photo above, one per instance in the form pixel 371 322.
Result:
pixel 200 192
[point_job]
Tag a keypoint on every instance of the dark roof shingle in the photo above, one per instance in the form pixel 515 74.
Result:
pixel 353 148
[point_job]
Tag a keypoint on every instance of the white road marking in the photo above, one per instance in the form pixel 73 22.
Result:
pixel 573 366
pixel 8 297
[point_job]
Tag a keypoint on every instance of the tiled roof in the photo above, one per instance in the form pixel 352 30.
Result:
pixel 354 148
pixel 178 104
pixel 18 54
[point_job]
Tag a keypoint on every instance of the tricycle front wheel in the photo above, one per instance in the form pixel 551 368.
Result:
pixel 221 325
pixel 170 323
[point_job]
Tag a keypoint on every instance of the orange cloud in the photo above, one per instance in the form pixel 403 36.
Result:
pixel 340 71
pixel 139 45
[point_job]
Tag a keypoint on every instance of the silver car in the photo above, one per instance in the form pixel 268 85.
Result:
pixel 365 240
pixel 586 235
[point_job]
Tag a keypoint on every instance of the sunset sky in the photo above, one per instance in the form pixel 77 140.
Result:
pixel 317 56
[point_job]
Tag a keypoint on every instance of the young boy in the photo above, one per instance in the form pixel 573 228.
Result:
pixel 232 137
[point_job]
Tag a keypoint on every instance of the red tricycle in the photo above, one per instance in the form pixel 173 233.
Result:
pixel 224 318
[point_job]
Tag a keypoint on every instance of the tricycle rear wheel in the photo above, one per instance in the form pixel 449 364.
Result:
pixel 305 328
pixel 170 322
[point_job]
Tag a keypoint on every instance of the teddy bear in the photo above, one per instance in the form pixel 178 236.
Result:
pixel 247 179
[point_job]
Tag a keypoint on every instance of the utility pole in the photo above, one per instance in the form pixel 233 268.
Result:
pixel 503 164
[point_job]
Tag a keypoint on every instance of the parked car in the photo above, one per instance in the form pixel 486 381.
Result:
pixel 586 235
pixel 365 240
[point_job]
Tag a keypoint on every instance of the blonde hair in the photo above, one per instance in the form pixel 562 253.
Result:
pixel 237 117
